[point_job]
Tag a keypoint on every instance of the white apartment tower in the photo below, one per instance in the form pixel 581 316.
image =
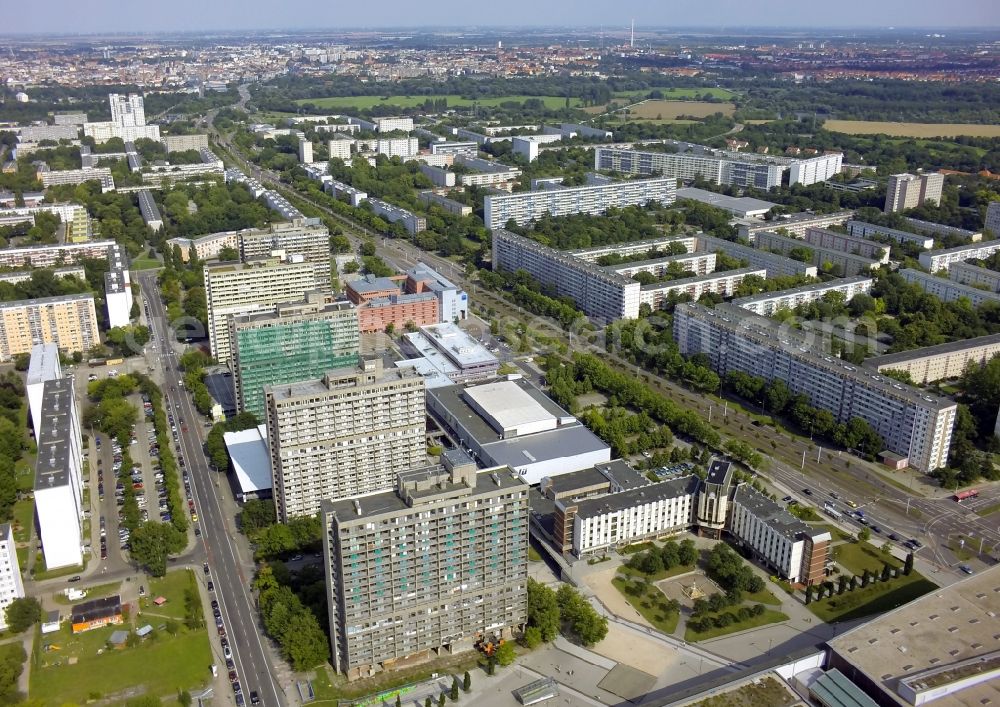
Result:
pixel 127 111
pixel 11 587
pixel 908 191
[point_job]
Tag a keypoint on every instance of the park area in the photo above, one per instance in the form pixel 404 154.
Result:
pixel 70 668
pixel 924 130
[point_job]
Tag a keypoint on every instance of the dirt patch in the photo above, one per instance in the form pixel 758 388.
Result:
pixel 632 649
pixel 600 584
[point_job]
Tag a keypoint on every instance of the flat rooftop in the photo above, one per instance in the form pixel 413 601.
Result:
pixel 509 405
pixel 389 502
pixel 55 439
pixel 617 471
pixel 948 626
pixel 463 350
pixel 936 350
pixel 733 204
pixel 812 287
pixel 44 363
pixel 566 441
pixel 251 461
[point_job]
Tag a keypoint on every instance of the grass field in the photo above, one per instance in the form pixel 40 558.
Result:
pixel 857 557
pixel 79 668
pixel 673 110
pixel 662 574
pixel 98 592
pixel 649 601
pixel 988 510
pixel 454 100
pixel 876 598
pixel 145 263
pixel 871 127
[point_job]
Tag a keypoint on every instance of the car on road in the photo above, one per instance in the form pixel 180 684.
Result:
pixel 834 494
pixel 296 558
pixel 204 566
pixel 74 578
pixel 876 529
pixel 966 569
pixel 807 492
pixel 239 699
pixel 786 499
pixel 233 677
pixel 237 688
pixel 893 536
pixel 211 586
pixel 916 543
pixel 254 699
pixel 227 652
pixel 197 532
pixel 852 504
pixel 215 603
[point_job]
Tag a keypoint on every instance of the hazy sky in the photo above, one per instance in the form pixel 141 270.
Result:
pixel 168 15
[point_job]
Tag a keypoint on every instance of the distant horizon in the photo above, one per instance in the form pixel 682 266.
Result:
pixel 108 17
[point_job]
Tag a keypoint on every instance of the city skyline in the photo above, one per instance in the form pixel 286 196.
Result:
pixel 188 16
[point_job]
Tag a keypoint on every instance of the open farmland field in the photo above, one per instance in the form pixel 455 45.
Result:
pixel 672 110
pixel 871 127
pixel 454 100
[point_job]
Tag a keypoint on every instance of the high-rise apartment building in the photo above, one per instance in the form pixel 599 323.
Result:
pixel 305 152
pixel 344 435
pixel 908 191
pixel 910 421
pixel 295 342
pixel 68 321
pixel 428 568
pixel 11 586
pixel 248 288
pixel 127 111
pixel 287 240
pixel 59 476
pixel 524 207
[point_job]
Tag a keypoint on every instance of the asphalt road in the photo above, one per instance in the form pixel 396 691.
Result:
pixel 230 563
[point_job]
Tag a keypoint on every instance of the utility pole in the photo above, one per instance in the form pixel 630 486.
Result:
pixel 819 451
pixel 803 465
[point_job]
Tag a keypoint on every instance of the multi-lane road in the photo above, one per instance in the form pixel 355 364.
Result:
pixel 228 557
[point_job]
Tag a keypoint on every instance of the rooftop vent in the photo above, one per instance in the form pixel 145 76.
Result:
pixel 357 506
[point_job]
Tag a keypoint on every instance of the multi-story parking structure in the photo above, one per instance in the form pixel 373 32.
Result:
pixel 912 423
pixel 524 207
pixel 344 435
pixel 428 568
pixel 767 303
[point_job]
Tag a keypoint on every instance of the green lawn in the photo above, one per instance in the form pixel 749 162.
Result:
pixel 171 587
pixel 42 574
pixel 649 601
pixel 161 664
pixel 24 473
pixel 762 597
pixel 770 616
pixel 876 598
pixel 856 557
pixel 988 510
pixel 663 574
pixel 144 263
pixel 454 100
pixel 24 518
pixel 637 547
pixel 533 555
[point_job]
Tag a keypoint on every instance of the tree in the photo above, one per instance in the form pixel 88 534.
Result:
pixel 441 699
pixel 809 594
pixel 505 653
pixel 184 698
pixel 543 610
pixel 427 701
pixel 304 643
pixel 908 564
pixel 687 553
pixel 466 682
pixel 454 689
pixel 864 535
pixel 151 543
pixel 257 515
pixel 23 613
pixel 842 584
pixel 886 572
pixel 399 701
pixel 532 637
